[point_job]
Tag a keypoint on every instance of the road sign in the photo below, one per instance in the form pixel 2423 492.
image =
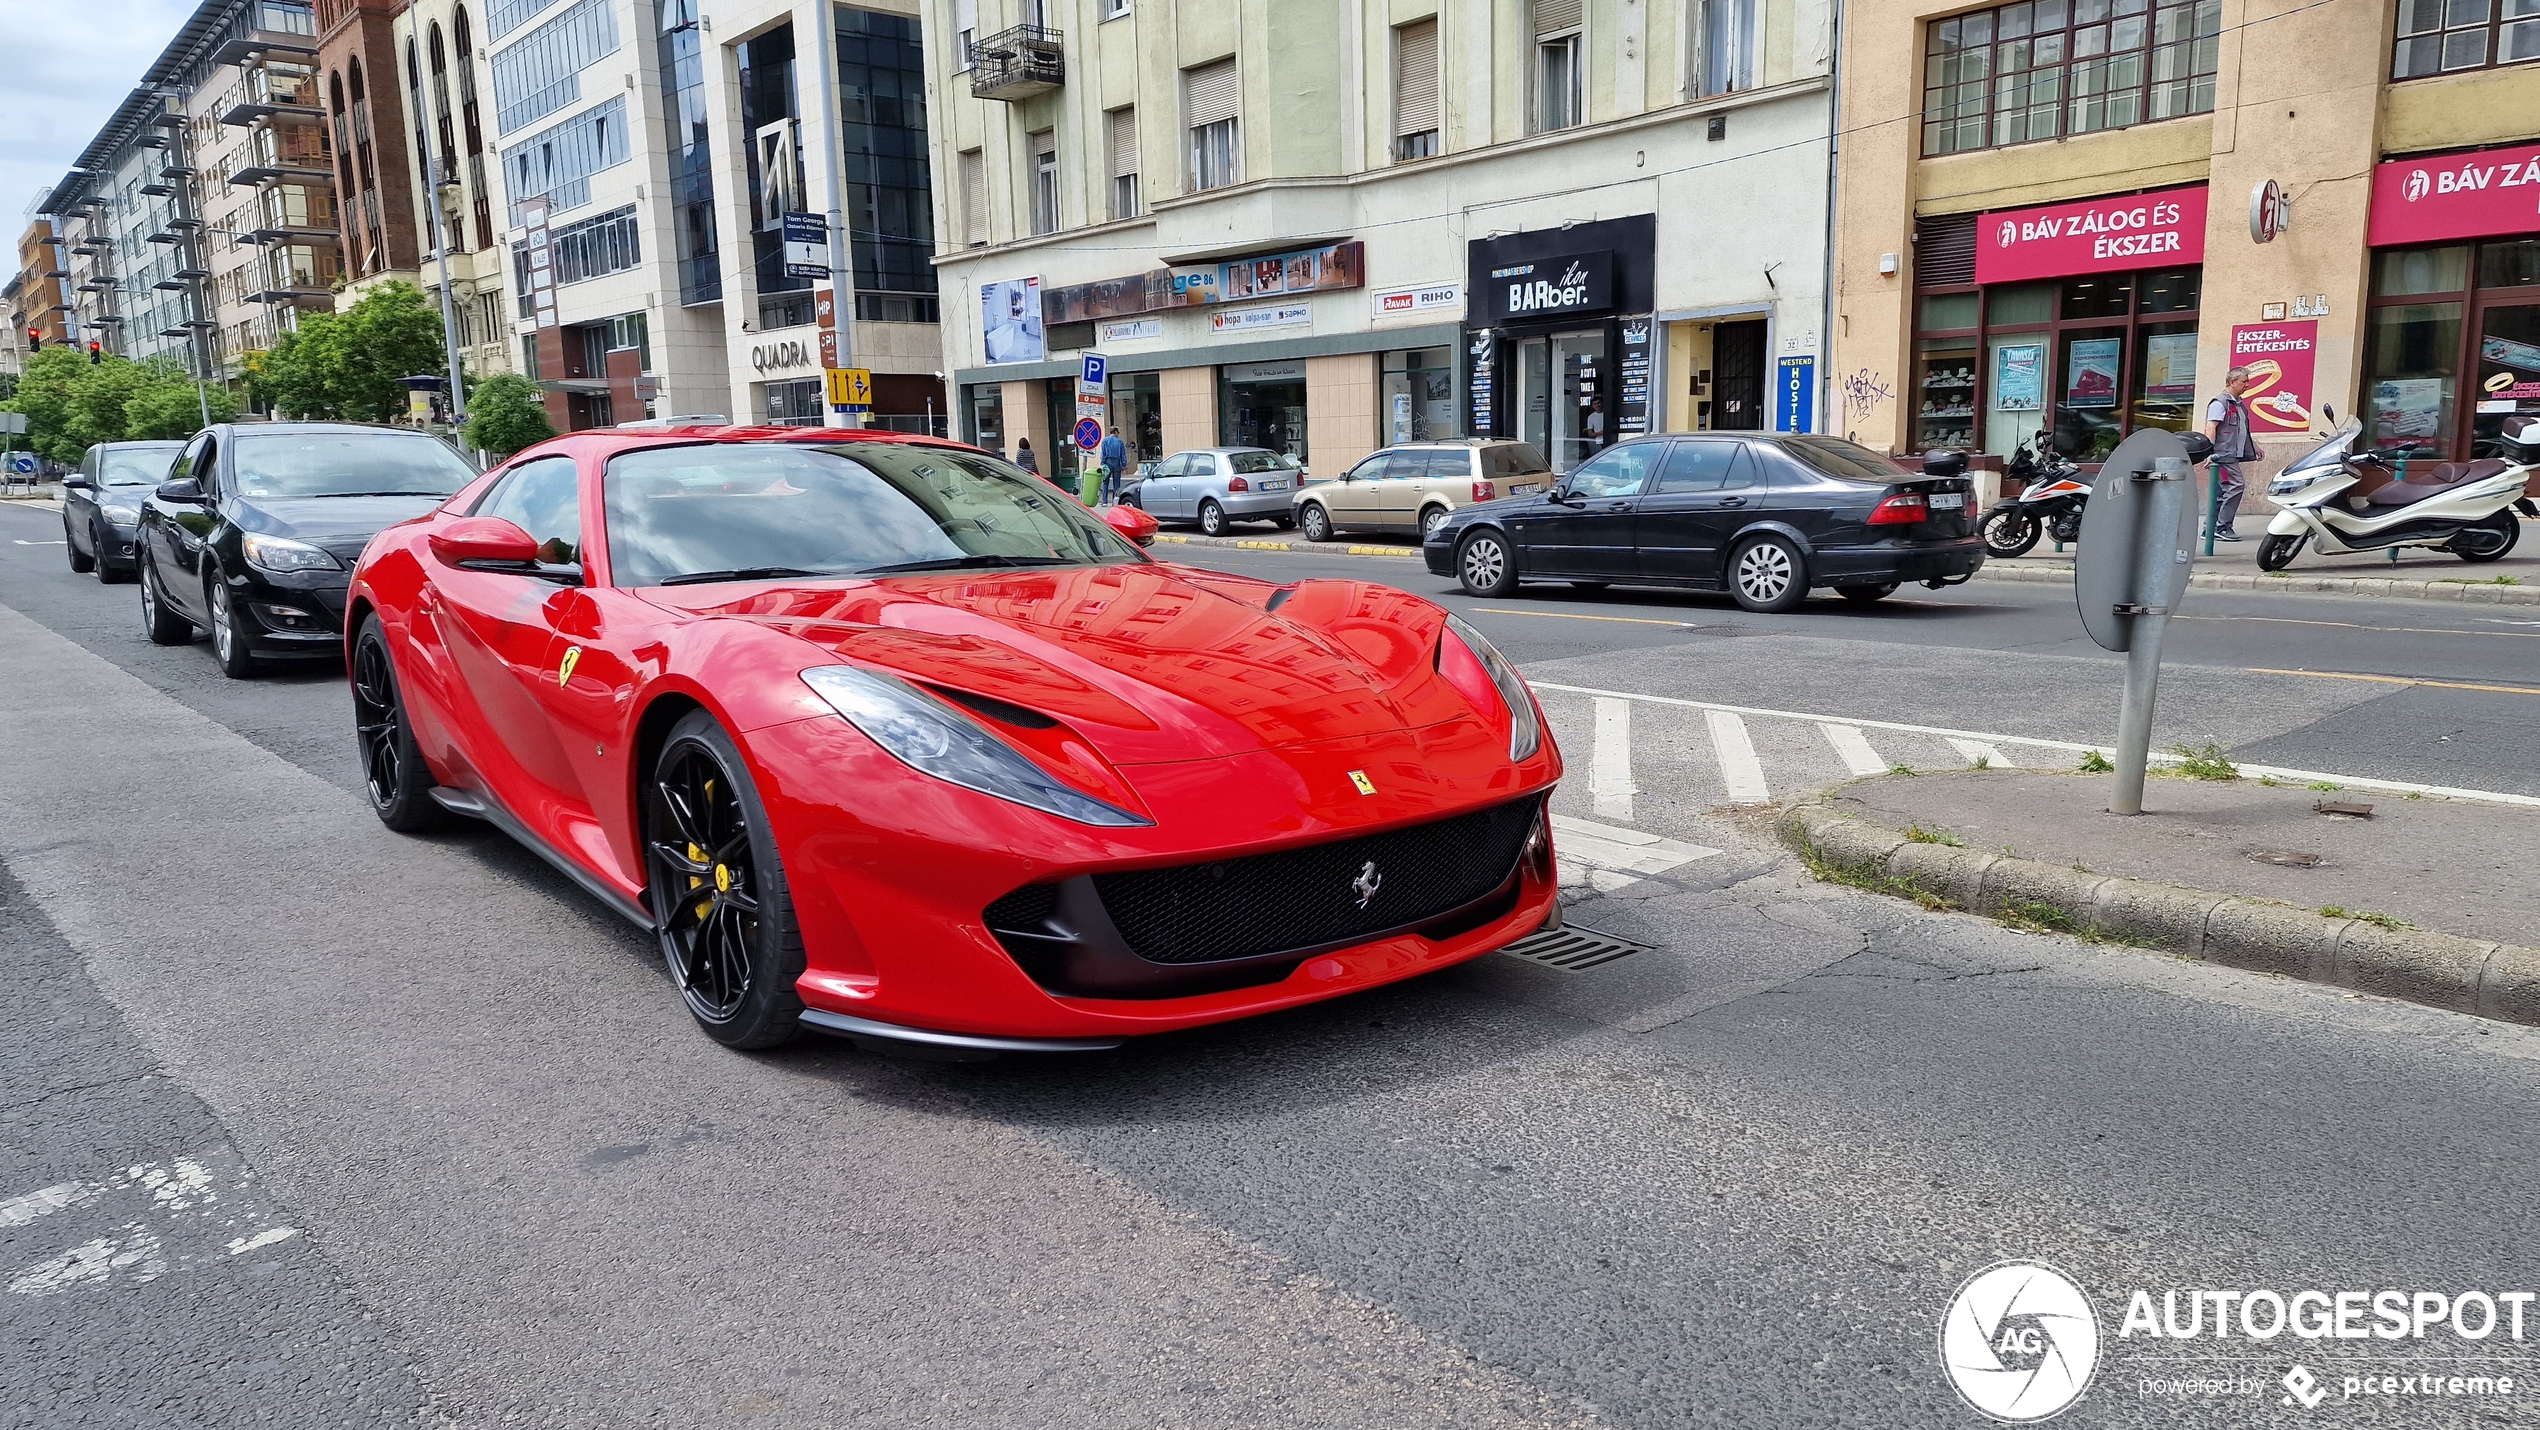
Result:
pixel 806 238
pixel 851 388
pixel 12 422
pixel 1088 433
pixel 1097 371
pixel 2104 568
pixel 21 464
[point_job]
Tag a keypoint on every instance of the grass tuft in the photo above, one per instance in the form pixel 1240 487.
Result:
pixel 2030 916
pixel 2391 922
pixel 1983 762
pixel 1903 770
pixel 1867 876
pixel 2204 762
pixel 2270 781
pixel 1921 835
pixel 2095 763
pixel 2490 581
pixel 2326 787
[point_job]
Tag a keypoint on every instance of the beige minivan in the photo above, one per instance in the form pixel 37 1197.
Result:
pixel 1413 486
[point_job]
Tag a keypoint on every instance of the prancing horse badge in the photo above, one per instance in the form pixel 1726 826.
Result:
pixel 564 672
pixel 1359 778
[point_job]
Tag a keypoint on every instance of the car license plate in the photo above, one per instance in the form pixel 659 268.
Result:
pixel 1529 489
pixel 1277 485
pixel 1948 501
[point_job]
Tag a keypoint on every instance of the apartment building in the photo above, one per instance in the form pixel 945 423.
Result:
pixel 446 150
pixel 2077 215
pixel 35 298
pixel 1328 225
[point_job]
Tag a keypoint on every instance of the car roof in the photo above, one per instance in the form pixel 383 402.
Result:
pixel 257 429
pixel 609 441
pixel 154 442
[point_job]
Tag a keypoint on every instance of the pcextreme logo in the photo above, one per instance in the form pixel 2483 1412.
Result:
pixel 2019 1342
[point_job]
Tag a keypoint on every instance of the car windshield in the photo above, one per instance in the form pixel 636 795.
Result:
pixel 348 464
pixel 752 510
pixel 1246 463
pixel 1837 457
pixel 1513 459
pixel 138 466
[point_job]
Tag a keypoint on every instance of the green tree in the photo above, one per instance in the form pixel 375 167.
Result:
pixel 44 395
pixel 506 415
pixel 97 399
pixel 165 407
pixel 346 365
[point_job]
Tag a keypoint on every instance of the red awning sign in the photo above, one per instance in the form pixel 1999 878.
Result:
pixel 2494 191
pixel 2163 229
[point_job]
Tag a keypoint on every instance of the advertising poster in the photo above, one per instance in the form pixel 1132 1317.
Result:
pixel 2169 366
pixel 2019 377
pixel 1010 319
pixel 1482 362
pixel 2508 371
pixel 2279 357
pixel 2408 407
pixel 2090 377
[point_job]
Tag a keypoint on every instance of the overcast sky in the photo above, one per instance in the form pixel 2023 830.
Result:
pixel 64 66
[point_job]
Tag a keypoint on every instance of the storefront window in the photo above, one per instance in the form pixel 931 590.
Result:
pixel 1061 456
pixel 1137 413
pixel 794 404
pixel 2509 265
pixel 986 408
pixel 1262 404
pixel 2420 270
pixel 2452 344
pixel 2411 364
pixel 1945 385
pixel 2091 358
pixel 2164 392
pixel 1418 395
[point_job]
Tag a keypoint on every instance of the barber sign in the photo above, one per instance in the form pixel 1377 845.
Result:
pixel 2160 229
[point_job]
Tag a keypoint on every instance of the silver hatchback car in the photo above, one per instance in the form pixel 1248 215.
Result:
pixel 1217 485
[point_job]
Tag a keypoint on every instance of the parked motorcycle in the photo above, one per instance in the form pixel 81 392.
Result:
pixel 2346 498
pixel 2052 495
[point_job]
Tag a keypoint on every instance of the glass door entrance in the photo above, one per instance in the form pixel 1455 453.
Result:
pixel 1561 383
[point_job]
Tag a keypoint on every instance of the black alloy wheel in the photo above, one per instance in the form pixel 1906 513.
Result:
pixel 163 625
pixel 1768 576
pixel 229 639
pixel 2489 540
pixel 1864 595
pixel 2277 552
pixel 1212 519
pixel 80 565
pixel 718 890
pixel 393 768
pixel 1485 564
pixel 1316 521
pixel 2010 532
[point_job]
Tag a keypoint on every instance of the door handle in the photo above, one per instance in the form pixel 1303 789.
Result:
pixel 1618 506
pixel 1732 501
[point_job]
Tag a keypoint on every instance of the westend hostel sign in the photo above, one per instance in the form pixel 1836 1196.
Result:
pixel 2162 229
pixel 2457 196
pixel 1549 287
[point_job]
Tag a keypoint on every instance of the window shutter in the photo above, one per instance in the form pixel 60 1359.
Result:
pixel 1210 93
pixel 974 197
pixel 1124 142
pixel 1945 251
pixel 1416 78
pixel 966 16
pixel 1553 17
pixel 1045 142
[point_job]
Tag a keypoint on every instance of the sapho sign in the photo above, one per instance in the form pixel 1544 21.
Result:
pixel 1574 283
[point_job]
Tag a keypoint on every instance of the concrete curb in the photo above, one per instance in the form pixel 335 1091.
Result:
pixel 2440 970
pixel 2049 573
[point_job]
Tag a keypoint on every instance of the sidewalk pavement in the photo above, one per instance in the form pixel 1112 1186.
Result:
pixel 2426 899
pixel 2357 573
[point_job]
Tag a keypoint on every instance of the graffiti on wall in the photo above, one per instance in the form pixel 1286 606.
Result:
pixel 1863 391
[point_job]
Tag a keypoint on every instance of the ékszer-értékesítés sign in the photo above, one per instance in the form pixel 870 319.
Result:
pixel 1549 287
pixel 2111 235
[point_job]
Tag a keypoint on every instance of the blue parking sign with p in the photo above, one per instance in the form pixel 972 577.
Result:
pixel 1097 370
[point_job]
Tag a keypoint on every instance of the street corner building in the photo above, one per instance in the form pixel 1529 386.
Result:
pixel 2076 216
pixel 1325 227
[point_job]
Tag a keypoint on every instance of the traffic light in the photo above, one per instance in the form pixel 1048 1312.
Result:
pixel 35 340
pixel 96 353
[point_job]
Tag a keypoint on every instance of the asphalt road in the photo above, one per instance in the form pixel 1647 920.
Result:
pixel 311 1124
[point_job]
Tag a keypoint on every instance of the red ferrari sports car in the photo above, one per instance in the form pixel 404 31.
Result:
pixel 882 736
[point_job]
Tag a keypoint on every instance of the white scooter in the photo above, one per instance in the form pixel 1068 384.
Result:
pixel 2349 500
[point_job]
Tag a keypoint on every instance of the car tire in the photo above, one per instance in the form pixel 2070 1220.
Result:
pixel 98 543
pixel 1768 575
pixel 1212 519
pixel 393 769
pixel 80 565
pixel 2277 552
pixel 1485 564
pixel 728 935
pixel 2010 533
pixel 1865 595
pixel 1431 519
pixel 1284 523
pixel 162 624
pixel 2506 526
pixel 229 642
pixel 1316 521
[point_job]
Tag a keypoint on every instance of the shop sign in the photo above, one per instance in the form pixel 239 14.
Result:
pixel 1010 321
pixel 2280 358
pixel 2270 211
pixel 1482 360
pixel 779 356
pixel 1550 287
pixel 1245 320
pixel 1434 298
pixel 1291 371
pixel 1134 330
pixel 1631 417
pixel 1795 409
pixel 1306 270
pixel 806 238
pixel 2163 229
pixel 2457 196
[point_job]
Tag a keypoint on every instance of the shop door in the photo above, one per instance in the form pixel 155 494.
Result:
pixel 1737 374
pixel 1534 398
pixel 1580 423
pixel 2508 366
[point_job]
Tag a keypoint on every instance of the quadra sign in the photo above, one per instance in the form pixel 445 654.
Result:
pixel 1574 283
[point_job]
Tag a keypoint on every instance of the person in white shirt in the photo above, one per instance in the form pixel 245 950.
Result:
pixel 2227 422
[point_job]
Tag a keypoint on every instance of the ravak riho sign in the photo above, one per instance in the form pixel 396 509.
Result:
pixel 1549 287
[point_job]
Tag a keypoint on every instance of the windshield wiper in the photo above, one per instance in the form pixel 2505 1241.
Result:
pixel 385 494
pixel 961 563
pixel 743 573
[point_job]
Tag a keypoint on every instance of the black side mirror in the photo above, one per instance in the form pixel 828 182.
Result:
pixel 78 484
pixel 184 491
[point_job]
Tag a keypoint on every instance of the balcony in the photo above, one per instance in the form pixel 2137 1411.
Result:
pixel 1017 63
pixel 284 169
pixel 267 95
pixel 272 30
pixel 288 230
pixel 299 293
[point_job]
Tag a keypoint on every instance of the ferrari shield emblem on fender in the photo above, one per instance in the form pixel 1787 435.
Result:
pixel 1366 884
pixel 1365 786
pixel 564 672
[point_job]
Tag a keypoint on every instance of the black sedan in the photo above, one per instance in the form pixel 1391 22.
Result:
pixel 1767 516
pixel 101 506
pixel 254 534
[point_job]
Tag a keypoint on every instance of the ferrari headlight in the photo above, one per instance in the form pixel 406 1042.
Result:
pixel 121 515
pixel 278 555
pixel 930 736
pixel 1525 734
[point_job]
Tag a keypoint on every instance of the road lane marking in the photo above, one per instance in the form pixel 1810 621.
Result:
pixel 1854 747
pixel 1606 858
pixel 1983 752
pixel 1740 770
pixel 2399 680
pixel 2101 747
pixel 159 1216
pixel 44 1201
pixel 43 543
pixel 1578 616
pixel 1610 766
pixel 2396 630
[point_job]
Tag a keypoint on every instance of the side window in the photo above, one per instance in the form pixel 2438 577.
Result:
pixel 543 498
pixel 1744 471
pixel 1697 466
pixel 1446 464
pixel 206 468
pixel 1616 471
pixel 1375 468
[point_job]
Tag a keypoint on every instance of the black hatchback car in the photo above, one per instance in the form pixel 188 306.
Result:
pixel 254 534
pixel 101 505
pixel 1767 516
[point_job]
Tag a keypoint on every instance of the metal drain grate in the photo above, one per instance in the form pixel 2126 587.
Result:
pixel 1574 949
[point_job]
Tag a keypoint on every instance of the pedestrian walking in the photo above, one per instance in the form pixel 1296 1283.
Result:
pixel 1023 456
pixel 1115 463
pixel 2227 422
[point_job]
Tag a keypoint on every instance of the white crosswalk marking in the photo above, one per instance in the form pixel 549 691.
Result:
pixel 1610 769
pixel 1858 757
pixel 1606 858
pixel 1740 770
pixel 1979 752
